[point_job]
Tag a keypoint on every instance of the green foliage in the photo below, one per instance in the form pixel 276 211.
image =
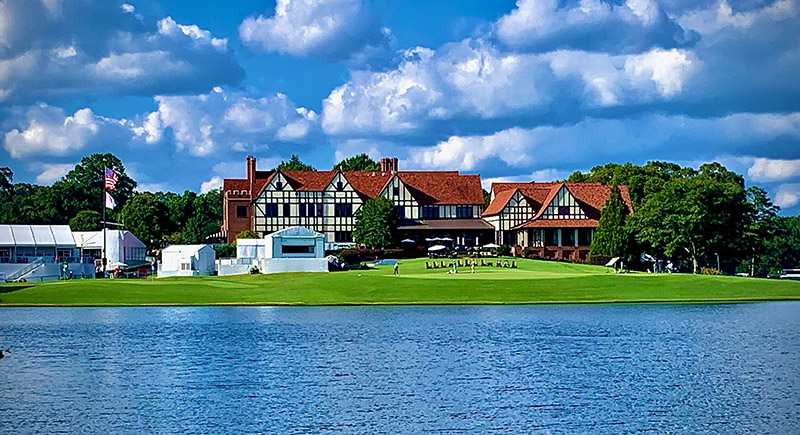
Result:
pixel 294 164
pixel 146 218
pixel 611 237
pixel 225 251
pixel 487 198
pixel 85 220
pixel 361 162
pixel 82 187
pixel 206 217
pixel 376 223
pixel 6 177
pixel 246 234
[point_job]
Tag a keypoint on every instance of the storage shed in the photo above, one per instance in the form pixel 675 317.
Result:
pixel 187 260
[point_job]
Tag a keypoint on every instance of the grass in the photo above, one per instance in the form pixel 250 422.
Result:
pixel 533 282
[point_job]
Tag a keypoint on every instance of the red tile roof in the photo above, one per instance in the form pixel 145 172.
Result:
pixel 593 195
pixel 428 187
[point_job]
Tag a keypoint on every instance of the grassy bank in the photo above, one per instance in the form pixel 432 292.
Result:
pixel 532 282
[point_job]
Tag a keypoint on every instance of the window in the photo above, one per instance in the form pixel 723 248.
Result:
pixel 464 211
pixel 396 191
pixel 343 210
pixel 342 237
pixel 311 209
pixel 271 210
pixel 302 210
pixel 430 212
pixel 186 266
pixel 339 186
pixel 287 210
pixel 241 211
pixel 279 185
pixel 319 210
pixel 292 249
pixel 563 209
pixel 401 212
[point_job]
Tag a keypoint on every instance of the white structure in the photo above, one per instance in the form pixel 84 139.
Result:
pixel 39 252
pixel 294 249
pixel 187 260
pixel 121 246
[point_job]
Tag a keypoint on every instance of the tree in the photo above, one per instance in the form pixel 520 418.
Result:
pixel 487 198
pixel 206 217
pixel 294 164
pixel 85 220
pixel 146 218
pixel 376 223
pixel 246 234
pixel 611 237
pixel 6 178
pixel 82 187
pixel 361 162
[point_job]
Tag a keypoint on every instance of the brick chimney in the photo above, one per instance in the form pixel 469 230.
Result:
pixel 251 175
pixel 389 164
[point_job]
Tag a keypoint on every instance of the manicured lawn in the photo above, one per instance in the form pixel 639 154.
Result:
pixel 532 282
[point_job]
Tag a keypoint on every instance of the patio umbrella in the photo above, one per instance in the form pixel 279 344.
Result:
pixel 491 246
pixel 407 241
pixel 437 248
pixel 446 239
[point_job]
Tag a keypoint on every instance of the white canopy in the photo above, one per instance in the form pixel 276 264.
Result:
pixel 437 248
pixel 612 262
pixel 52 236
pixel 491 246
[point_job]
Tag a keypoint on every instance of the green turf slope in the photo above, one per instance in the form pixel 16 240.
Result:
pixel 533 282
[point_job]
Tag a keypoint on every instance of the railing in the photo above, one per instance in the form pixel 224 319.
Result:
pixel 24 259
pixel 25 270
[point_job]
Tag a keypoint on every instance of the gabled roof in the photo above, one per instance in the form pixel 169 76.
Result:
pixel 593 195
pixel 428 187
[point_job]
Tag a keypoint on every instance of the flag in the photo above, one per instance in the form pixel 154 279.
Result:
pixel 110 203
pixel 111 179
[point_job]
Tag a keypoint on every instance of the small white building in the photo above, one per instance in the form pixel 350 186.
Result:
pixel 295 249
pixel 187 260
pixel 122 247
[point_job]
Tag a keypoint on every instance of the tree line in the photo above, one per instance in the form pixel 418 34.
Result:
pixel 705 218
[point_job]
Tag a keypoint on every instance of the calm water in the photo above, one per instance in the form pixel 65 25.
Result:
pixel 558 369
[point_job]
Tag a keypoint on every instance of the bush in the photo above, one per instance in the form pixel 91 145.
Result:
pixel 709 271
pixel 599 260
pixel 225 251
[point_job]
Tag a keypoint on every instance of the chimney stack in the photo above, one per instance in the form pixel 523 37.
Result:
pixel 251 175
pixel 389 164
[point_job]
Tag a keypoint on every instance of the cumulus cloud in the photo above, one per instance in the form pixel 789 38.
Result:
pixel 46 130
pixel 96 48
pixel 51 172
pixel 219 120
pixel 773 169
pixel 787 195
pixel 213 183
pixel 590 25
pixel 595 141
pixel 721 16
pixel 331 30
pixel 547 174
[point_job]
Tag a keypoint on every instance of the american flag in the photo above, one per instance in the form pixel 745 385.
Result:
pixel 111 179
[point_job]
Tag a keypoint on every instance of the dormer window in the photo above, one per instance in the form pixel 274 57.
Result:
pixel 279 185
pixel 339 186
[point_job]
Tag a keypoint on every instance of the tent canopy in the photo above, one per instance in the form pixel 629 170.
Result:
pixel 41 236
pixel 437 248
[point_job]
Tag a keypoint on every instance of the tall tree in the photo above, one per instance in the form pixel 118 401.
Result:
pixel 376 223
pixel 146 218
pixel 361 162
pixel 6 178
pixel 85 220
pixel 294 164
pixel 611 237
pixel 82 187
pixel 206 217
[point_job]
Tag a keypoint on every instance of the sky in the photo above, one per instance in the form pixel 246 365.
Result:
pixel 532 90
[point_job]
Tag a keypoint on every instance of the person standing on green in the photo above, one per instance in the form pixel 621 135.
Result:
pixel 396 269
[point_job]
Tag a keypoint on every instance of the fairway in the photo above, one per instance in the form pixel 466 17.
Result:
pixel 532 282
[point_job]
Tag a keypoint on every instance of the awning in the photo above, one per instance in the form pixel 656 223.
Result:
pixel 444 224
pixel 437 248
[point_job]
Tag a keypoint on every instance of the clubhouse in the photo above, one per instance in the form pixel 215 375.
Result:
pixel 555 220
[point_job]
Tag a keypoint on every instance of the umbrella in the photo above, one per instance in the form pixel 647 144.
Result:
pixel 407 241
pixel 437 248
pixel 446 239
pixel 430 240
pixel 491 246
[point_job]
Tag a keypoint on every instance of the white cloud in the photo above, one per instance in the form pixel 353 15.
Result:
pixel 788 195
pixel 721 16
pixel 594 25
pixel 207 123
pixel 214 183
pixel 548 174
pixel 150 187
pixel 773 169
pixel 46 130
pixel 95 47
pixel 328 29
pixel 512 146
pixel 52 172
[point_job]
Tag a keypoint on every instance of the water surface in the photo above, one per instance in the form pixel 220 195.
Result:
pixel 557 369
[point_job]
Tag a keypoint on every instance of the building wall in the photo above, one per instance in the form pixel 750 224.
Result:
pixel 232 223
pixel 518 211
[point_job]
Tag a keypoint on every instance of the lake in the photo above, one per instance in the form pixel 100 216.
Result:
pixel 481 369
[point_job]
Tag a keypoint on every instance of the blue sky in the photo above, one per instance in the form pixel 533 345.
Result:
pixel 527 90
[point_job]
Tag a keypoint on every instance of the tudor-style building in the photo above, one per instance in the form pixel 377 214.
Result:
pixel 429 203
pixel 554 220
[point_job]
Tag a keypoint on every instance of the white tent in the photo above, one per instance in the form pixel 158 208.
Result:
pixel 294 249
pixel 38 252
pixel 121 246
pixel 187 260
